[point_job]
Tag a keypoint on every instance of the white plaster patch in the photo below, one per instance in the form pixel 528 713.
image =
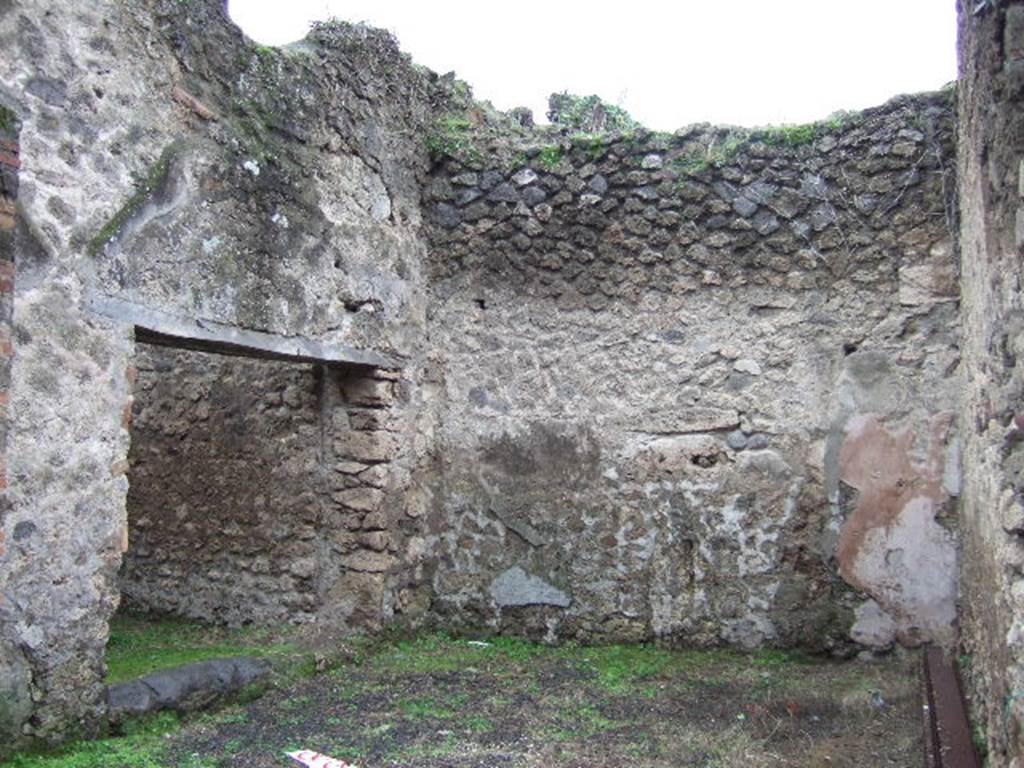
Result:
pixel 517 587
pixel 913 563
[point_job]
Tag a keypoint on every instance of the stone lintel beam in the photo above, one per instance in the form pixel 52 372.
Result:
pixel 168 330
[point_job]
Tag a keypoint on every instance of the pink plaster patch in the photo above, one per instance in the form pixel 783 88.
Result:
pixel 891 547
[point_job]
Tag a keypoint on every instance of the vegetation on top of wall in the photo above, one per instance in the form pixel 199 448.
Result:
pixel 594 145
pixel 588 114
pixel 452 136
pixel 145 185
pixel 714 155
pixel 791 135
pixel 550 156
pixel 797 135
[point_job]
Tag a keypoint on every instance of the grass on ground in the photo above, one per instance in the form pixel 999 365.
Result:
pixel 432 701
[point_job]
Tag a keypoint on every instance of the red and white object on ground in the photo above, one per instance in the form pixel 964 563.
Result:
pixel 316 760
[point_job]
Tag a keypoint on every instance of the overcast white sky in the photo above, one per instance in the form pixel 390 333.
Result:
pixel 743 62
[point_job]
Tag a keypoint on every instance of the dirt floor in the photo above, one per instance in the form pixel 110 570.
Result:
pixel 437 702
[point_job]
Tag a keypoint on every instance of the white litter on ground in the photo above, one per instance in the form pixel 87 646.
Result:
pixel 316 760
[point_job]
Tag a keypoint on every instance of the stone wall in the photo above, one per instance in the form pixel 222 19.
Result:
pixel 698 387
pixel 263 491
pixel 225 488
pixel 169 165
pixel 991 153
pixel 15 678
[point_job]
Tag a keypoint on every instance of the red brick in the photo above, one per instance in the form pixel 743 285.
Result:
pixel 8 159
pixel 119 468
pixel 9 145
pixel 186 99
pixel 7 205
pixel 7 222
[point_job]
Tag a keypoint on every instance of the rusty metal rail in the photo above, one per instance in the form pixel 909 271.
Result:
pixel 947 731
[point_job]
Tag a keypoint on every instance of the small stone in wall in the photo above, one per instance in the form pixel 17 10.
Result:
pixel 873 627
pixel 503 193
pixel 598 184
pixel 748 366
pixel 490 179
pixel 652 162
pixel 736 440
pixel 467 196
pixel 534 196
pixel 744 207
pixel 765 223
pixel 524 177
pixel 446 215
pixel 757 442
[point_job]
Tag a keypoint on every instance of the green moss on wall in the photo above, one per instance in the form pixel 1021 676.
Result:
pixel 145 185
pixel 8 120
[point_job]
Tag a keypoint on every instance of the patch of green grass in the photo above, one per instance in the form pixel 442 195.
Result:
pixel 592 721
pixel 774 657
pixel 556 733
pixel 347 752
pixel 142 746
pixel 620 667
pixel 478 724
pixel 140 645
pixel 145 186
pixel 423 708
pixel 293 703
pixel 427 750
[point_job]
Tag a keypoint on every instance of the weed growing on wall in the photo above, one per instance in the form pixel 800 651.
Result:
pixel 452 137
